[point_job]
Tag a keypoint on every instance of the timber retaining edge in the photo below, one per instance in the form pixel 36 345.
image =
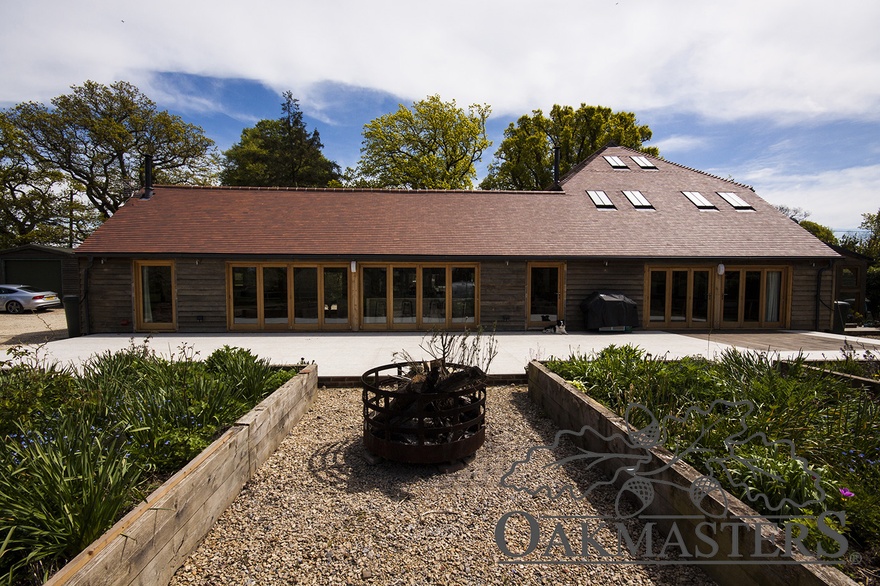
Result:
pixel 154 539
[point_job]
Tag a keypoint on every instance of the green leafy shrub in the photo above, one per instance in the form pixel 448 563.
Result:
pixel 62 488
pixel 84 447
pixel 836 428
pixel 32 388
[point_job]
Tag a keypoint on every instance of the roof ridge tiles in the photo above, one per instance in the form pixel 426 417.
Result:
pixel 351 189
pixel 577 168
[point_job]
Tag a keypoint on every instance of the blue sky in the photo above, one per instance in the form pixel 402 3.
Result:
pixel 783 95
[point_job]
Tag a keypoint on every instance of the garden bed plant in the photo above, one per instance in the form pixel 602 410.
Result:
pixel 833 427
pixel 81 448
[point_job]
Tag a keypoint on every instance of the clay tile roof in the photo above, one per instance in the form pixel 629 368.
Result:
pixel 398 223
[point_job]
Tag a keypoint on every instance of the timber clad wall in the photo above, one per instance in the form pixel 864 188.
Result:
pixel 109 296
pixel 201 295
pixel 584 277
pixel 803 298
pixel 200 289
pixel 503 295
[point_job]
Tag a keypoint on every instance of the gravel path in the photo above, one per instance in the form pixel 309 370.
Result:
pixel 32 328
pixel 318 512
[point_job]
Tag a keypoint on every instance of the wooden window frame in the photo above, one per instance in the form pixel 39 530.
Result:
pixel 420 324
pixel 688 322
pixel 785 291
pixel 140 324
pixel 291 324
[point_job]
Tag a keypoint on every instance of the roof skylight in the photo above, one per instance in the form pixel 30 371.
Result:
pixel 643 162
pixel 615 162
pixel 601 200
pixel 638 200
pixel 698 200
pixel 736 201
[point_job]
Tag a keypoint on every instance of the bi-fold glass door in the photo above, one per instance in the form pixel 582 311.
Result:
pixel 269 296
pixel 752 297
pixel 679 297
pixel 418 296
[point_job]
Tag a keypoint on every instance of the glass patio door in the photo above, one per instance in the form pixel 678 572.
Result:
pixel 154 291
pixel 411 297
pixel 679 298
pixel 545 294
pixel 752 298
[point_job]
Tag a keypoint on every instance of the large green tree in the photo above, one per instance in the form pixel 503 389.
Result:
pixel 98 136
pixel 823 233
pixel 433 145
pixel 279 153
pixel 525 158
pixel 37 205
pixel 866 242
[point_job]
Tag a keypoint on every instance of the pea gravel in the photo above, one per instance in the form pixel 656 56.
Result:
pixel 320 512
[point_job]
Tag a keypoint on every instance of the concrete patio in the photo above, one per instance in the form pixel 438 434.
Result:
pixel 348 355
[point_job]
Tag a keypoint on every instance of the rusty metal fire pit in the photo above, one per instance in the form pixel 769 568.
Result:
pixel 424 414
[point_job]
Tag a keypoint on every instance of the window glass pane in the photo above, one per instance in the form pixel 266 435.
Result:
pixel 434 295
pixel 464 295
pixel 275 295
pixel 698 200
pixel 403 281
pixel 731 296
pixel 700 307
pixel 545 294
pixel 336 295
pixel 156 291
pixel 658 296
pixel 773 292
pixel 375 295
pixel 244 295
pixel 752 297
pixel 679 296
pixel 305 295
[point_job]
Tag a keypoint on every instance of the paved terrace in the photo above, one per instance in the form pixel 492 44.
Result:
pixel 348 355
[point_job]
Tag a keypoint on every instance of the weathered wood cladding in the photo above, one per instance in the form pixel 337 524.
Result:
pixel 107 298
pixel 503 295
pixel 585 277
pixel 70 277
pixel 803 296
pixel 201 295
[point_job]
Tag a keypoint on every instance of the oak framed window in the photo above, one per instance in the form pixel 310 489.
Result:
pixel 408 296
pixel 679 297
pixel 285 296
pixel 155 295
pixel 754 297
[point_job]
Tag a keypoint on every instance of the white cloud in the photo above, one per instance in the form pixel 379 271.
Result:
pixel 836 198
pixel 787 59
pixel 679 143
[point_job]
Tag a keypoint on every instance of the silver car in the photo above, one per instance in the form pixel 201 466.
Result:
pixel 18 298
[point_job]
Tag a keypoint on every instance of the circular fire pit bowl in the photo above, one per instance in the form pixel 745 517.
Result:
pixel 424 413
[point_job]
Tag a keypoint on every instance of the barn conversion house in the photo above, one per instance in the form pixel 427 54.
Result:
pixel 694 251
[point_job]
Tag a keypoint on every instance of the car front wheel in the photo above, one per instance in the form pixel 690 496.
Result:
pixel 14 307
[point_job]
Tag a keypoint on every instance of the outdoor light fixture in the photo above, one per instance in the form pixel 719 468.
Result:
pixel 354 266
pixel 720 268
